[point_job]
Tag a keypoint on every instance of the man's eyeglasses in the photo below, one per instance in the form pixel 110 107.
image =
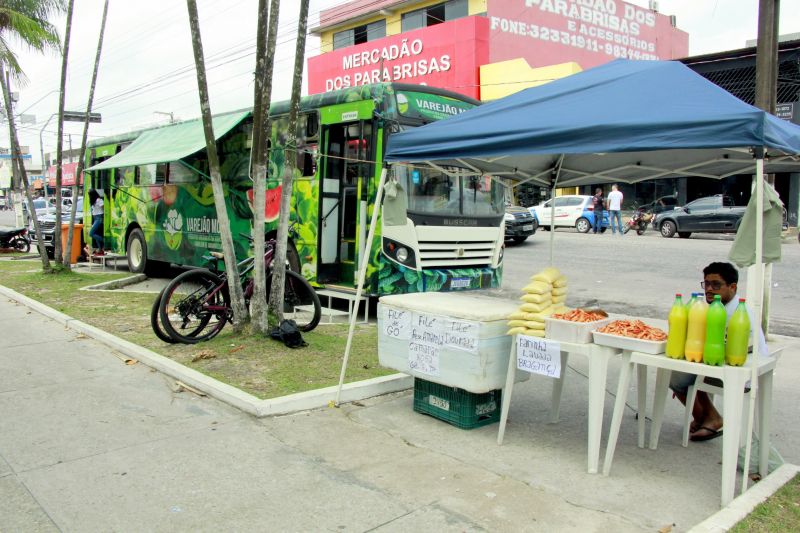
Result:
pixel 713 285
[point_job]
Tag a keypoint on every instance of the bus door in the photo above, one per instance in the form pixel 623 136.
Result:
pixel 345 178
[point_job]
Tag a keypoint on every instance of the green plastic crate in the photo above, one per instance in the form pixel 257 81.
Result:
pixel 460 408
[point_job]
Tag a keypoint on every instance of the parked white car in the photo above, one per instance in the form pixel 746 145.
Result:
pixel 569 211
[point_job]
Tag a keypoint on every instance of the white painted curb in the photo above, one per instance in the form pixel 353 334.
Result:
pixel 248 403
pixel 740 507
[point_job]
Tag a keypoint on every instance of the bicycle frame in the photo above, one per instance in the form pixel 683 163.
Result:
pixel 244 267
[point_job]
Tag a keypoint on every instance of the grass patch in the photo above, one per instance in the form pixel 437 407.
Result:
pixel 260 366
pixel 780 512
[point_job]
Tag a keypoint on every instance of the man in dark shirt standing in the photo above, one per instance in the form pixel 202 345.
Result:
pixel 597 203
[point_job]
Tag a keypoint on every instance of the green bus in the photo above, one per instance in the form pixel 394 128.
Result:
pixel 447 234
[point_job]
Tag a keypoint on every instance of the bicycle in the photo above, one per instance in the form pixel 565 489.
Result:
pixel 195 306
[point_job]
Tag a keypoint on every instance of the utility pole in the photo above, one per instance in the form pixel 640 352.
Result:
pixel 766 93
pixel 767 59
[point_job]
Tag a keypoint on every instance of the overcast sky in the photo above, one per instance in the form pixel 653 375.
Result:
pixel 147 65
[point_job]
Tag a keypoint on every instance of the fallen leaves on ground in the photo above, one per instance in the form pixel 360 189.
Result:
pixel 203 354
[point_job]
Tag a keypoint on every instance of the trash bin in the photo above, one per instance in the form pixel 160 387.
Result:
pixel 77 232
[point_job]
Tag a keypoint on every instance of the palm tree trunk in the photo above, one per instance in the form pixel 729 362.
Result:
pixel 12 128
pixel 234 283
pixel 57 253
pixel 82 151
pixel 291 151
pixel 263 125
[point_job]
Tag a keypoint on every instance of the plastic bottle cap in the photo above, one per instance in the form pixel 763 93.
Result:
pixel 717 297
pixel 741 300
pixel 677 294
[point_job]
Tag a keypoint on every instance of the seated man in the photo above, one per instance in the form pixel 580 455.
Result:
pixel 722 279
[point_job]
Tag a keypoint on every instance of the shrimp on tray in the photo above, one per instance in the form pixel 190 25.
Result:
pixel 635 329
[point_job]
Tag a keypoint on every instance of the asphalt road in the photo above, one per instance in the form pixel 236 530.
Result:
pixel 635 275
pixel 639 275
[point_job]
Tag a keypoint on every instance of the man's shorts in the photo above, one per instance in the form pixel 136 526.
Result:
pixel 680 382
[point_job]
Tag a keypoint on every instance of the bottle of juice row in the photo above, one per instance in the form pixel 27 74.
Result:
pixel 714 346
pixel 696 330
pixel 678 320
pixel 738 336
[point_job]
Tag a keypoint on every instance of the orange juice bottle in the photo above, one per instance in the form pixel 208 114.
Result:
pixel 678 320
pixel 696 331
pixel 738 336
pixel 714 347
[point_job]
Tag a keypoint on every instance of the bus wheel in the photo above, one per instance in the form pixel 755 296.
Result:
pixel 137 251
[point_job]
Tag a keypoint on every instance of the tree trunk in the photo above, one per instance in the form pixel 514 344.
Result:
pixel 291 151
pixel 12 128
pixel 262 128
pixel 234 283
pixel 57 253
pixel 82 151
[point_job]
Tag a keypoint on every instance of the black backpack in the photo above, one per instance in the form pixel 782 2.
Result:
pixel 288 333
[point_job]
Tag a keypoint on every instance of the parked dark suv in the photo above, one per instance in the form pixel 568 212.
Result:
pixel 520 224
pixel 48 224
pixel 713 214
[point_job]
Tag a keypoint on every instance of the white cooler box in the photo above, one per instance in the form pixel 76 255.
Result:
pixel 456 339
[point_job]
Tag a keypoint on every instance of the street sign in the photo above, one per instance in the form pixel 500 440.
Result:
pixel 76 116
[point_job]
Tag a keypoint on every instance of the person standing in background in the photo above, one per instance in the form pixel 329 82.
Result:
pixel 96 233
pixel 614 206
pixel 598 202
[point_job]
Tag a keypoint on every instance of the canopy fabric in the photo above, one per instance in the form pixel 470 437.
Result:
pixel 624 121
pixel 171 143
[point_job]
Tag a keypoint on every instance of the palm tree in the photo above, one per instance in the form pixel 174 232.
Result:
pixel 234 284
pixel 79 170
pixel 57 253
pixel 279 272
pixel 262 133
pixel 26 21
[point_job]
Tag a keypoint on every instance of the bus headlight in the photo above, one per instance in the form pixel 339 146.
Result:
pixel 401 254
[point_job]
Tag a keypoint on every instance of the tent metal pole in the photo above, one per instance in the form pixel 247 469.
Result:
pixel 553 208
pixel 757 312
pixel 362 272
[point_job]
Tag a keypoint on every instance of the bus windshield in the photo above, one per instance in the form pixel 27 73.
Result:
pixel 433 192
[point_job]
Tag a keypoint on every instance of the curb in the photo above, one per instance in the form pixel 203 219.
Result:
pixel 740 507
pixel 301 401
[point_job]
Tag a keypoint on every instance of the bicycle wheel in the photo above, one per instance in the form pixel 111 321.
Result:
pixel 300 302
pixel 154 320
pixel 194 308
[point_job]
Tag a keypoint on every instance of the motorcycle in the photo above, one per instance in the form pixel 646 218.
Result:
pixel 639 221
pixel 15 239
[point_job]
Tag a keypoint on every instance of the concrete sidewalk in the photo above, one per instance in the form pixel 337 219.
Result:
pixel 88 443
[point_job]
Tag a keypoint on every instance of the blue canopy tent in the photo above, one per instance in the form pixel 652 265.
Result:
pixel 625 121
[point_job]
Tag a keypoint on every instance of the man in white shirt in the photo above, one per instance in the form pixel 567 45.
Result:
pixel 722 279
pixel 614 206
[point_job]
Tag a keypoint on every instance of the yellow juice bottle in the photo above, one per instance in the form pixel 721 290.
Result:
pixel 678 322
pixel 696 331
pixel 738 336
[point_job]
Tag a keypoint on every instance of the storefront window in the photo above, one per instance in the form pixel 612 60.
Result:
pixel 360 34
pixel 432 15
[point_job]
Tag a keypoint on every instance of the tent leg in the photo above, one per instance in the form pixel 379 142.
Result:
pixel 758 287
pixel 362 272
pixel 552 223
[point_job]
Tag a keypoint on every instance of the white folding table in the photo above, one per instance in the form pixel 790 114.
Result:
pixel 598 368
pixel 733 378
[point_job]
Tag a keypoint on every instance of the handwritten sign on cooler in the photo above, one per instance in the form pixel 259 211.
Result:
pixel 539 356
pixel 396 323
pixel 429 335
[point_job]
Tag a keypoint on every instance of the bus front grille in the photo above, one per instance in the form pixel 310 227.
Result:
pixel 465 254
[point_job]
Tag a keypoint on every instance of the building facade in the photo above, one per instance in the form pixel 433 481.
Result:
pixel 485 49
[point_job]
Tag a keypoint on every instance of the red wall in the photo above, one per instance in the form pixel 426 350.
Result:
pixel 447 56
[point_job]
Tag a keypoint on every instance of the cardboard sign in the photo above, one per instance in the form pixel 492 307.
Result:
pixel 539 356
